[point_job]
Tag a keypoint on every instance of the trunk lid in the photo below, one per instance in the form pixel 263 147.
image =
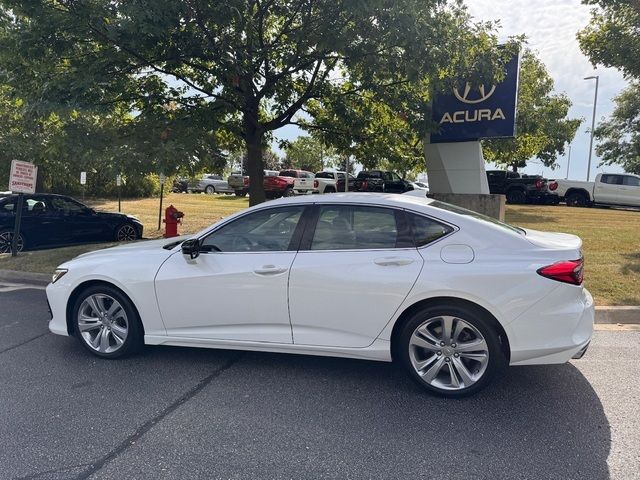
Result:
pixel 554 240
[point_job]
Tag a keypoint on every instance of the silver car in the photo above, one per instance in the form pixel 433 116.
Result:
pixel 210 184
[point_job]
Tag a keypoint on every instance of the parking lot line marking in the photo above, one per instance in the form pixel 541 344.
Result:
pixel 12 287
pixel 618 327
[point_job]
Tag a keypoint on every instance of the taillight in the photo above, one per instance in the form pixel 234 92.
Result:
pixel 539 184
pixel 553 186
pixel 316 183
pixel 364 185
pixel 570 271
pixel 245 180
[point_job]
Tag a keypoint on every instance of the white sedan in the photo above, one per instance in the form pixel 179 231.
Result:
pixel 451 295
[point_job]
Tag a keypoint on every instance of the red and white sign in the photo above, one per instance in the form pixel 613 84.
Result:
pixel 23 177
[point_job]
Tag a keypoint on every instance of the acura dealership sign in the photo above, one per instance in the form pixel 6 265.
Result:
pixel 471 113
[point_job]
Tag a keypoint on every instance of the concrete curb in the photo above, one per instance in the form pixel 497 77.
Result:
pixel 604 315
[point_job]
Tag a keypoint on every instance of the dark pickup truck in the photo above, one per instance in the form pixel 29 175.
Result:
pixel 376 181
pixel 520 188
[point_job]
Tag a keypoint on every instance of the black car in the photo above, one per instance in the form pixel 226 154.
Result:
pixel 376 181
pixel 520 188
pixel 50 220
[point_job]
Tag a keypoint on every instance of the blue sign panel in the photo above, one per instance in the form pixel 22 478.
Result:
pixel 469 113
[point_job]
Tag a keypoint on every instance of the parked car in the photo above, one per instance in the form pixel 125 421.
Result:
pixel 282 184
pixel 492 294
pixel 210 184
pixel 323 182
pixel 376 181
pixel 419 186
pixel 520 188
pixel 621 189
pixel 50 220
pixel 422 185
pixel 240 183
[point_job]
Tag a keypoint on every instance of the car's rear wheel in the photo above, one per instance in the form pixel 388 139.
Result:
pixel 106 323
pixel 6 237
pixel 576 199
pixel 240 193
pixel 450 351
pixel 288 192
pixel 516 196
pixel 329 190
pixel 210 190
pixel 126 233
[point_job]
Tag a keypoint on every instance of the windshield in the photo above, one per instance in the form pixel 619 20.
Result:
pixel 470 213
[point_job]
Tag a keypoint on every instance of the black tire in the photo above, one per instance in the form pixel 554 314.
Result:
pixel 495 364
pixel 329 190
pixel 516 196
pixel 576 199
pixel 240 193
pixel 6 237
pixel 135 334
pixel 210 190
pixel 288 192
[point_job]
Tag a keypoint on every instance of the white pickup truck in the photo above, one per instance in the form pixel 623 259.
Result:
pixel 608 189
pixel 322 182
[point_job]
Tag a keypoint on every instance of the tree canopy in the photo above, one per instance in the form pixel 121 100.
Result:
pixel 612 36
pixel 542 124
pixel 244 67
pixel 619 136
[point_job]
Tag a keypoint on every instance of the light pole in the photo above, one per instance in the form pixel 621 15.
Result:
pixel 568 163
pixel 593 122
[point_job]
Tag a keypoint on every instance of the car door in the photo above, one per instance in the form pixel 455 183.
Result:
pixel 81 223
pixel 355 267
pixel 40 224
pixel 608 189
pixel 236 289
pixel 631 186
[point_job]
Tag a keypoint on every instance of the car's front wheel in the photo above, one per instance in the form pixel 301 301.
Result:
pixel 106 323
pixel 450 351
pixel 210 190
pixel 126 233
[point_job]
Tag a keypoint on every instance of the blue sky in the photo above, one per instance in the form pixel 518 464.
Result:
pixel 550 27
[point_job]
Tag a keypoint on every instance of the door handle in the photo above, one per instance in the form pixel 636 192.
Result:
pixel 393 261
pixel 270 270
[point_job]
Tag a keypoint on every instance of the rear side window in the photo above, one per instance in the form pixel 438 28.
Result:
pixel 631 181
pixel 426 230
pixel 343 227
pixel 612 179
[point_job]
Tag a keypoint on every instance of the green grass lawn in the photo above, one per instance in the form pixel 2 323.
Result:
pixel 611 237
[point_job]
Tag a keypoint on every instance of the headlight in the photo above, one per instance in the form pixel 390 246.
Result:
pixel 58 274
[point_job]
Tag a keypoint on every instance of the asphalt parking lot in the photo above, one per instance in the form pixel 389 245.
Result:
pixel 196 413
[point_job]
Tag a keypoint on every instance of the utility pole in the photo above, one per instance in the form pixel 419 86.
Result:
pixel 593 122
pixel 568 163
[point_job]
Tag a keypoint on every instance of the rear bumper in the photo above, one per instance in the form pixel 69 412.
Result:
pixel 553 331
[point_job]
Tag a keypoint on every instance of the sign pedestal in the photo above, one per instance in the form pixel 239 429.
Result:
pixel 456 167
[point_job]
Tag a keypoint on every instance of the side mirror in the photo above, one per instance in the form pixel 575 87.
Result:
pixel 191 247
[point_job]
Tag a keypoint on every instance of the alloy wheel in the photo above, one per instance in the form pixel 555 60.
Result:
pixel 5 242
pixel 448 353
pixel 126 233
pixel 103 323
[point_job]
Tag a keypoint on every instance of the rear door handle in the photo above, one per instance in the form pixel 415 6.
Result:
pixel 270 270
pixel 393 261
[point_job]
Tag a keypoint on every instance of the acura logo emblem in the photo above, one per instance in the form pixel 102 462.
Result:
pixel 464 98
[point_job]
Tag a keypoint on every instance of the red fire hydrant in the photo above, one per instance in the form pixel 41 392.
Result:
pixel 172 217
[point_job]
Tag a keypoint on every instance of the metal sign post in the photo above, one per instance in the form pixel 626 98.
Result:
pixel 118 184
pixel 162 178
pixel 83 182
pixel 22 179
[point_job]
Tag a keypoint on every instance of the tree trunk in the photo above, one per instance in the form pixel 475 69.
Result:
pixel 254 166
pixel 515 168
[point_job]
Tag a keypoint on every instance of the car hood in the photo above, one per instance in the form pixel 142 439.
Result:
pixel 140 247
pixel 112 215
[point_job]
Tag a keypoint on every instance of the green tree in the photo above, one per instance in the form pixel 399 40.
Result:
pixel 619 136
pixel 246 66
pixel 308 153
pixel 611 38
pixel 542 126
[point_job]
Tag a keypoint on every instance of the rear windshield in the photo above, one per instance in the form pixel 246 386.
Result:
pixel 324 175
pixel 469 213
pixel 289 173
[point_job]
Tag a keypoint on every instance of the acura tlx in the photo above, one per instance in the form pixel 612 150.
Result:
pixel 451 295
